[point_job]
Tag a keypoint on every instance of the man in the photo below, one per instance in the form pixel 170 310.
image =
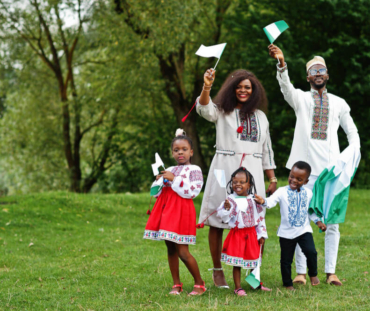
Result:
pixel 319 115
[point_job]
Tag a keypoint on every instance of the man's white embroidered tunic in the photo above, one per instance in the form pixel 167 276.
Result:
pixel 318 119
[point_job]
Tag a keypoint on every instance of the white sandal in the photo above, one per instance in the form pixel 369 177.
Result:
pixel 218 286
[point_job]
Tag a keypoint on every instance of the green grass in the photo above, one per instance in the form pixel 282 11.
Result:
pixel 88 254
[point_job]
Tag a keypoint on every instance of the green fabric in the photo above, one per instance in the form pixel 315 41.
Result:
pixel 155 190
pixel 317 201
pixel 251 279
pixel 338 207
pixel 271 39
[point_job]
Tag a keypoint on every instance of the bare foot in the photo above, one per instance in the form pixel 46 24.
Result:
pixel 289 288
pixel 314 280
pixel 219 278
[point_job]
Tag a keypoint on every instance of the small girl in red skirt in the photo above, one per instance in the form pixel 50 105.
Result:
pixel 173 218
pixel 246 219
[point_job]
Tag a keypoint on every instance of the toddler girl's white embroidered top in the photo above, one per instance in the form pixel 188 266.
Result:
pixel 188 181
pixel 294 205
pixel 244 213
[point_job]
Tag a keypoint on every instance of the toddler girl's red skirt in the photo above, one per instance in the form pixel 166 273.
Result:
pixel 173 219
pixel 241 248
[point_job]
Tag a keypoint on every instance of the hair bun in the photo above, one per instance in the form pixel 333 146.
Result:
pixel 180 132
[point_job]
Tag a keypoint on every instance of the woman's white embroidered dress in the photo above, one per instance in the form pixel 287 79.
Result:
pixel 251 149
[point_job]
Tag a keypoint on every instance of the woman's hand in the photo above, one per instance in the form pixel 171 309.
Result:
pixel 259 199
pixel 209 77
pixel 261 241
pixel 168 175
pixel 227 205
pixel 276 53
pixel 271 188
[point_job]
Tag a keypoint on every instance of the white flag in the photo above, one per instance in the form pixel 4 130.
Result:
pixel 211 51
pixel 220 176
pixel 158 163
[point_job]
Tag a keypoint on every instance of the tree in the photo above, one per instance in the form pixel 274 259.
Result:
pixel 174 31
pixel 43 27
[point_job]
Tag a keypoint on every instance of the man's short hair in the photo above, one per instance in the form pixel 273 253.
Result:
pixel 303 166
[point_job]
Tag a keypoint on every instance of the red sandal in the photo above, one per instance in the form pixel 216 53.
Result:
pixel 175 292
pixel 194 293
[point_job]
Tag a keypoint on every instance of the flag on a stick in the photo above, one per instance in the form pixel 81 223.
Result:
pixel 211 51
pixel 331 190
pixel 158 184
pixel 274 30
pixel 254 278
pixel 158 163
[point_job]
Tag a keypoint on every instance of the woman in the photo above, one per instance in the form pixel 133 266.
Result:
pixel 242 139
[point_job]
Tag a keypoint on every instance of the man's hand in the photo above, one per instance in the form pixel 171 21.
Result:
pixel 276 53
pixel 227 205
pixel 259 199
pixel 271 188
pixel 261 241
pixel 168 175
pixel 321 226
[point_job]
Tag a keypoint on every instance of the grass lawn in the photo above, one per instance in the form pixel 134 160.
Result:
pixel 63 251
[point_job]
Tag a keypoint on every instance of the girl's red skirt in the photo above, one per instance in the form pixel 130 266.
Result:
pixel 241 248
pixel 173 218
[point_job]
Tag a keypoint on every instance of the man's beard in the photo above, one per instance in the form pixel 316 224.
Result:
pixel 319 86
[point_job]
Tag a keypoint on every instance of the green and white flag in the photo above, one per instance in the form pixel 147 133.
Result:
pixel 254 278
pixel 331 190
pixel 158 163
pixel 156 186
pixel 274 30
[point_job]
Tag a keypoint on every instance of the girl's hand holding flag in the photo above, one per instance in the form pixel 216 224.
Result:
pixel 168 175
pixel 227 205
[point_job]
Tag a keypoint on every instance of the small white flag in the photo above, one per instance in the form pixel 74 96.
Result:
pixel 275 29
pixel 158 163
pixel 220 176
pixel 211 51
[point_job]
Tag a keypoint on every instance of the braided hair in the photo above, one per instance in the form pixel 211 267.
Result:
pixel 250 179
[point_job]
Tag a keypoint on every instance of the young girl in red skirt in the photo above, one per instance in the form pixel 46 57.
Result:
pixel 246 219
pixel 173 217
